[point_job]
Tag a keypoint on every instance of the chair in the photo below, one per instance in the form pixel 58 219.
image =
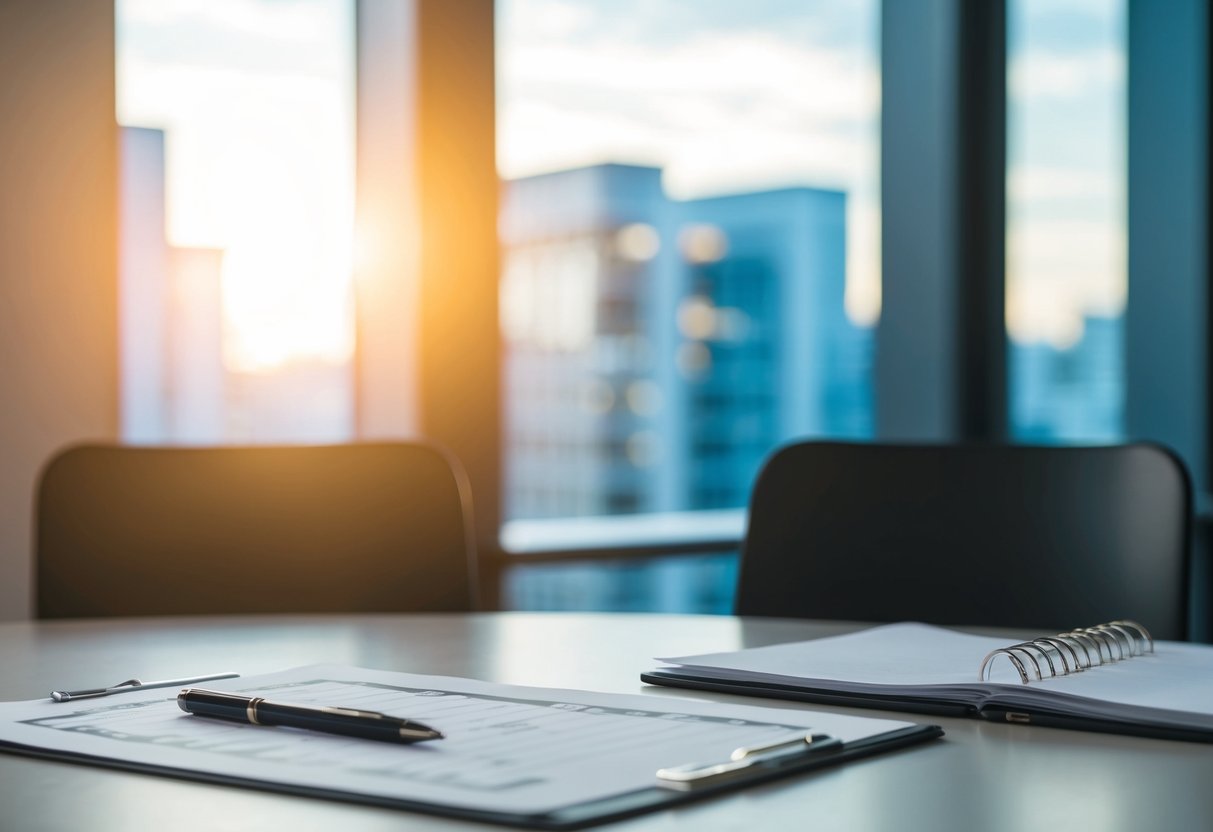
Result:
pixel 1007 535
pixel 125 530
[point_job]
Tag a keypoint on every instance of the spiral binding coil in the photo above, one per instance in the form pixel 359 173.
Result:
pixel 1121 639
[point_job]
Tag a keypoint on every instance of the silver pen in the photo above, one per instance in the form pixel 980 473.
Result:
pixel 133 685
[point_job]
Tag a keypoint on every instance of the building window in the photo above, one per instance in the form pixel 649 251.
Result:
pixel 237 219
pixel 1066 219
pixel 690 231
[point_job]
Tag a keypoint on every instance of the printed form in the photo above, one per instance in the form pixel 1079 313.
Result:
pixel 507 748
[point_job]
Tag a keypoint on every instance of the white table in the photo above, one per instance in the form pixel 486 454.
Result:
pixel 980 776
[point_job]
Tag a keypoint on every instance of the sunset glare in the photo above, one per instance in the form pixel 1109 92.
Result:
pixel 256 101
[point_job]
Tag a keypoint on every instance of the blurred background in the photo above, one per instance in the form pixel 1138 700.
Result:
pixel 612 254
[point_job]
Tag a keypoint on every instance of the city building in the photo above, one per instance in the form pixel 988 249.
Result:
pixel 658 349
pixel 1072 394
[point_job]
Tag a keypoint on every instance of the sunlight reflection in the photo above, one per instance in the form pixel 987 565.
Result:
pixel 256 101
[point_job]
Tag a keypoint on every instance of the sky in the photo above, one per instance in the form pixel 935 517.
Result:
pixel 769 93
pixel 1066 209
pixel 724 96
pixel 256 97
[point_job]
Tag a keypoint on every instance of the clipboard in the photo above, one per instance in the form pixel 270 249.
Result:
pixel 102 733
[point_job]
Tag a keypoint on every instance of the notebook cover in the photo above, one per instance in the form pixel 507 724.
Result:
pixel 991 712
pixel 772 690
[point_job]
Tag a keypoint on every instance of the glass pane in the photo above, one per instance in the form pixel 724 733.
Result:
pixel 690 226
pixel 1066 218
pixel 237 219
pixel 697 584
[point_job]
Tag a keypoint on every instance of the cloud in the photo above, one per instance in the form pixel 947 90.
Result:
pixel 1041 183
pixel 282 20
pixel 1061 271
pixel 522 21
pixel 725 99
pixel 298 37
pixel 713 102
pixel 1037 73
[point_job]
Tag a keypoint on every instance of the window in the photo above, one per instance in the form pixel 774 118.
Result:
pixel 690 229
pixel 1066 219
pixel 237 219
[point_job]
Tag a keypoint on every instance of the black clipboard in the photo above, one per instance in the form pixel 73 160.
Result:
pixel 577 816
pixel 798 751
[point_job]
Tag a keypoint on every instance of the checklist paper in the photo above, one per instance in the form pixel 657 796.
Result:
pixel 508 750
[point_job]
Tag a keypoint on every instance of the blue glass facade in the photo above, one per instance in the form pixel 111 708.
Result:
pixel 657 349
pixel 1075 394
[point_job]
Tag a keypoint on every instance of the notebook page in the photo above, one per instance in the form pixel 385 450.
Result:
pixel 894 655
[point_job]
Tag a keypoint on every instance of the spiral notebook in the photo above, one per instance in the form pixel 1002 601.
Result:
pixel 1111 677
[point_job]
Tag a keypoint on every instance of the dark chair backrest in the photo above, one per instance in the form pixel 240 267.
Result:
pixel 1005 535
pixel 375 527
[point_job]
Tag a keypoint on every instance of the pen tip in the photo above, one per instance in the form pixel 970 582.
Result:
pixel 420 734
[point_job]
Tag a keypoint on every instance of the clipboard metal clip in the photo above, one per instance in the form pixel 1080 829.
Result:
pixel 134 684
pixel 747 758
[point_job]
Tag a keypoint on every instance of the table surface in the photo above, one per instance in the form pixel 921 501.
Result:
pixel 980 776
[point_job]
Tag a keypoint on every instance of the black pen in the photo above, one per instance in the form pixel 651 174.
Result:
pixel 367 725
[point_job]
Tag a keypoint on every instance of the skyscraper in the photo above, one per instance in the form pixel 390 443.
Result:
pixel 656 349
pixel 1071 394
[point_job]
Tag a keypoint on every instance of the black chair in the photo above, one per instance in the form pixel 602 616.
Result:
pixel 377 527
pixel 1006 535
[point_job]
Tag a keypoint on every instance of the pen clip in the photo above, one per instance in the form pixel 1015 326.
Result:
pixel 745 758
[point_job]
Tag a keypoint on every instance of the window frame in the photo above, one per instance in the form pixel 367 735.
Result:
pixel 941 371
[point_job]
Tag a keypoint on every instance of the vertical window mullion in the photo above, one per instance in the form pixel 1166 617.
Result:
pixel 939 364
